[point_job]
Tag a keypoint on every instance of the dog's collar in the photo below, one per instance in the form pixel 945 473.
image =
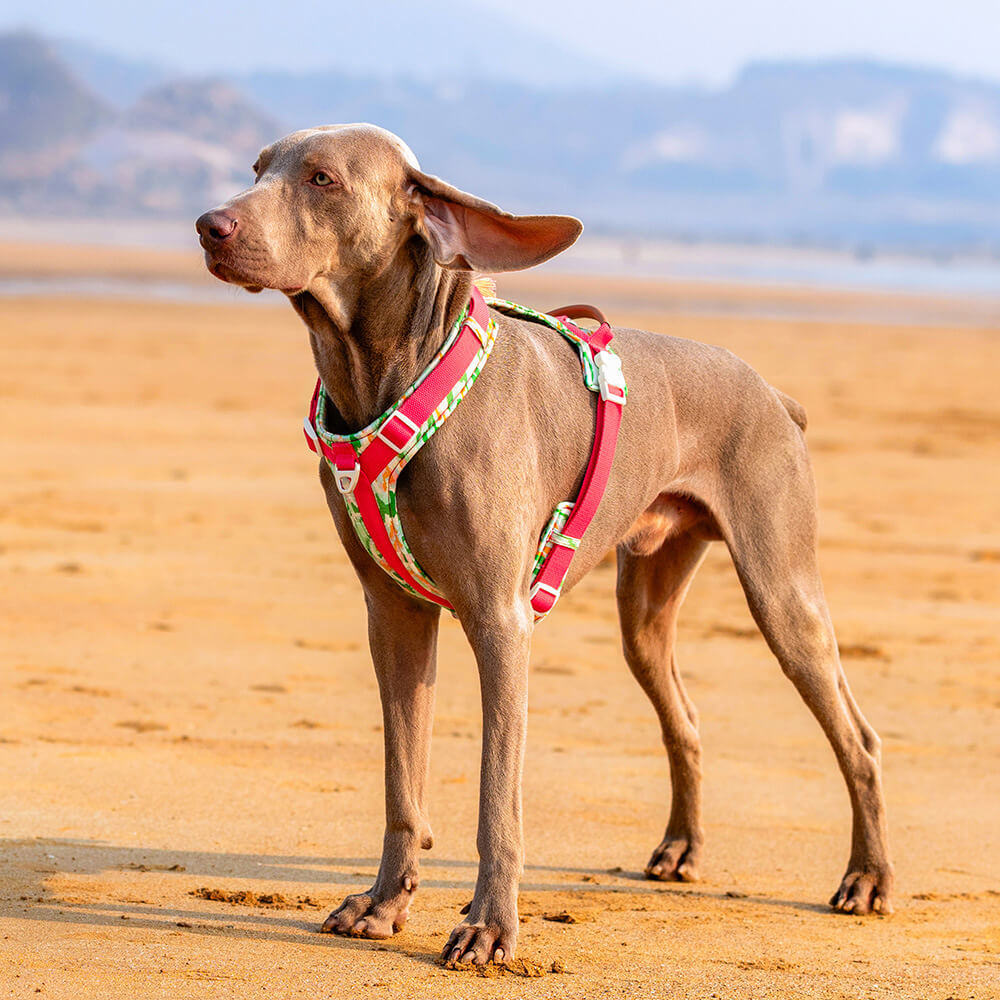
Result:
pixel 366 465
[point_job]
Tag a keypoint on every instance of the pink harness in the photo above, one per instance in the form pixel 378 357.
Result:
pixel 365 466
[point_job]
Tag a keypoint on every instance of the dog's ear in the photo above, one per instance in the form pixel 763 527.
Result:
pixel 468 233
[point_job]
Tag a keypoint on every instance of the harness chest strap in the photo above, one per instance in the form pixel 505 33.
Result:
pixel 397 437
pixel 355 474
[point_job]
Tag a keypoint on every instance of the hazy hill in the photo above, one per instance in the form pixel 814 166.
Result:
pixel 118 80
pixel 43 107
pixel 211 111
pixel 839 152
pixel 182 146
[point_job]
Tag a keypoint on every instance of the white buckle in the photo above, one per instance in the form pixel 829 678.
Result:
pixel 346 479
pixel 610 379
pixel 480 332
pixel 555 592
pixel 566 541
pixel 410 425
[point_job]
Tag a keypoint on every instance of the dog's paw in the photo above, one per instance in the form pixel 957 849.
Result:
pixel 481 942
pixel 677 859
pixel 863 891
pixel 372 914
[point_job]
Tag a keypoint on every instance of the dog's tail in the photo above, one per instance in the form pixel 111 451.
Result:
pixel 795 409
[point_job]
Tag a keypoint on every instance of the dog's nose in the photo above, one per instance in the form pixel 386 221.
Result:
pixel 216 226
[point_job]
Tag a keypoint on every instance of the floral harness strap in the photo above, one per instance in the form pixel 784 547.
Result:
pixel 366 465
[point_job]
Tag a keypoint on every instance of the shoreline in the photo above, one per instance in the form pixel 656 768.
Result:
pixel 621 255
pixel 47 269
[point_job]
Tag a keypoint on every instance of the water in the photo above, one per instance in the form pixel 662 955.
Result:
pixel 779 266
pixel 133 289
pixel 968 280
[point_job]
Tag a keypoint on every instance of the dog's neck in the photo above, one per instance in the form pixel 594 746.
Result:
pixel 371 340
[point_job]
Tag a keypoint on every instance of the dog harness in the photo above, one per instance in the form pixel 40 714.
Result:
pixel 366 465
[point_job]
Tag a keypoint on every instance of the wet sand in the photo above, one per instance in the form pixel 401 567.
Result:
pixel 190 743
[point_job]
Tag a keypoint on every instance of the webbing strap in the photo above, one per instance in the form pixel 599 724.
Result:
pixel 367 504
pixel 397 432
pixel 355 473
pixel 580 311
pixel 547 585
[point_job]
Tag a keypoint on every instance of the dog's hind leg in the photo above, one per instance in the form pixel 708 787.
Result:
pixel 650 591
pixel 771 534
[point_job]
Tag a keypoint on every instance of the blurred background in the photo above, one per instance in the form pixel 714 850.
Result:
pixel 866 135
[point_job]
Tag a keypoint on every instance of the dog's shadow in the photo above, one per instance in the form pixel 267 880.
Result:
pixel 31 864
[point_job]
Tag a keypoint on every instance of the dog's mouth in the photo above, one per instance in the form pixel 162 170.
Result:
pixel 252 283
pixel 232 276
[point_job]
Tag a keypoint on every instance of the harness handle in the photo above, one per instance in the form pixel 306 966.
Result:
pixel 579 311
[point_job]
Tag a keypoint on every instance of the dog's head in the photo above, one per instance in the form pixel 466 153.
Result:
pixel 344 200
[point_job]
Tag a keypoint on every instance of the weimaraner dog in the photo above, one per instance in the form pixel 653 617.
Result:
pixel 377 258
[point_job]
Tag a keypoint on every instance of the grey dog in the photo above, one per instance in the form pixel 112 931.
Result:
pixel 377 257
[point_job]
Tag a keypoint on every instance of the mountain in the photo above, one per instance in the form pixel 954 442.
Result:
pixel 838 152
pixel 118 81
pixel 846 152
pixel 63 151
pixel 43 107
pixel 212 111
pixel 182 146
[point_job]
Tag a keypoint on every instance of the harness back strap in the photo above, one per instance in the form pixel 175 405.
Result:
pixel 549 579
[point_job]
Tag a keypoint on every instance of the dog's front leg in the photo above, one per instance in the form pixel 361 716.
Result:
pixel 489 932
pixel 402 634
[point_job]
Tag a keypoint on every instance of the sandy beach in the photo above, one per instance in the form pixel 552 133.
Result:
pixel 190 741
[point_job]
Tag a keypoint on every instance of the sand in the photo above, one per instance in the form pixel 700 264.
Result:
pixel 190 743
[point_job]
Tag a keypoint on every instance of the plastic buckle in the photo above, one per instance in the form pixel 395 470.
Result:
pixel 410 426
pixel 539 586
pixel 346 479
pixel 481 333
pixel 610 379
pixel 311 439
pixel 565 541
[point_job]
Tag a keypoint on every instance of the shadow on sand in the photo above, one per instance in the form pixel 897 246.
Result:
pixel 32 863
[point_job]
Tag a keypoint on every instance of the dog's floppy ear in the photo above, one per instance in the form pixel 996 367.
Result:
pixel 468 233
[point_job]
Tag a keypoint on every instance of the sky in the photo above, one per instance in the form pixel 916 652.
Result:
pixel 671 41
pixel 708 41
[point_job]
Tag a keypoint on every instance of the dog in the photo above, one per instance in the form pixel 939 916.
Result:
pixel 377 258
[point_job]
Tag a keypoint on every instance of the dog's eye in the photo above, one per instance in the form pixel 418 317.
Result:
pixel 321 179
